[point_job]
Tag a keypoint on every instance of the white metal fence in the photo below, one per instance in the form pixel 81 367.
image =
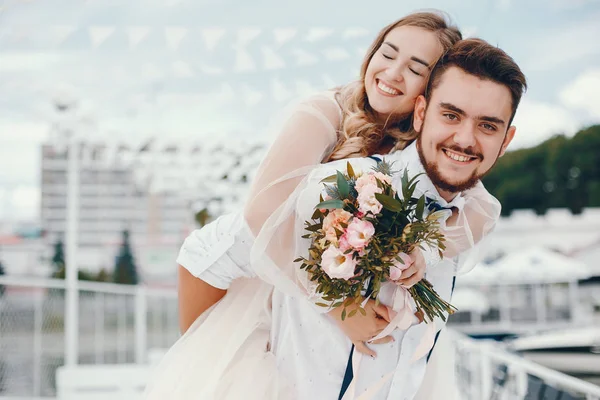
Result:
pixel 117 324
pixel 486 371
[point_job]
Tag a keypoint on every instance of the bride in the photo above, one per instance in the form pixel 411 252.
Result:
pixel 266 339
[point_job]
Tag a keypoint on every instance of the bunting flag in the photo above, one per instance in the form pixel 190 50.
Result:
pixel 251 97
pixel 246 35
pixel 352 33
pixel 135 34
pixel 60 33
pixel 243 62
pixel 271 59
pixel 336 54
pixel 284 35
pixel 182 70
pixel 212 36
pixel 304 58
pixel 278 90
pixel 174 36
pixel 316 34
pixel 99 34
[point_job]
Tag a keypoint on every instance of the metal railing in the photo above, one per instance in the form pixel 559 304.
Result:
pixel 486 371
pixel 117 324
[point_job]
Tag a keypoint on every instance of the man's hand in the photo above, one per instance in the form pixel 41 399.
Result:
pixel 360 328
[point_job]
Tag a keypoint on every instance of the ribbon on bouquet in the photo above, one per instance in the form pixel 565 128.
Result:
pixel 404 317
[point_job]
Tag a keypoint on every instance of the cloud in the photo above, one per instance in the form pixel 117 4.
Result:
pixel 538 121
pixel 563 45
pixel 584 93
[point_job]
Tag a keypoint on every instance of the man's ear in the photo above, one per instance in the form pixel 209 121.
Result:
pixel 419 114
pixel 510 134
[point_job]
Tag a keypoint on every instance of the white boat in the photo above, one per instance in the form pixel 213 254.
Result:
pixel 575 351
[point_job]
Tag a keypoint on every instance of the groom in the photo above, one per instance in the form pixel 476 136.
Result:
pixel 464 125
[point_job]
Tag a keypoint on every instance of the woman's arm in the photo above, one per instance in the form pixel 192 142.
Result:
pixel 195 297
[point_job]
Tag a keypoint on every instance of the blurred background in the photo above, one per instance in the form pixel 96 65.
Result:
pixel 126 125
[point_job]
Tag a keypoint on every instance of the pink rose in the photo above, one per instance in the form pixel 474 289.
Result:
pixel 333 221
pixel 359 233
pixel 371 179
pixel 338 265
pixel 344 245
pixel 398 267
pixel 367 202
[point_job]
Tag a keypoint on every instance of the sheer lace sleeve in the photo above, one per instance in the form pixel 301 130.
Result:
pixel 467 231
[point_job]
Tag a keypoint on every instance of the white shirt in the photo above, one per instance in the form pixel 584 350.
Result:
pixel 311 351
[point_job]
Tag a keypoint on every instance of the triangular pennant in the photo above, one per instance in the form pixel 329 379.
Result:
pixel 226 94
pixel 182 70
pixel 174 36
pixel 99 34
pixel 151 71
pixel 251 97
pixel 246 35
pixel 210 70
pixel 336 54
pixel 283 35
pixel 304 88
pixel 212 36
pixel 315 34
pixel 272 60
pixel 279 91
pixel 329 82
pixel 362 51
pixel 136 34
pixel 60 33
pixel 351 33
pixel 304 58
pixel 243 62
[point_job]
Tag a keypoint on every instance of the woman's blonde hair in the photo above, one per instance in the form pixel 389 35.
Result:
pixel 360 134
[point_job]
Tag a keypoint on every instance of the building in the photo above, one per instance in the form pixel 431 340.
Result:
pixel 152 190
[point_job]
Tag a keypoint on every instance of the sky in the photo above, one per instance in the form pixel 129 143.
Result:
pixel 187 70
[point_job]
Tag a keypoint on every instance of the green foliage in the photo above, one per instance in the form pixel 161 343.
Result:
pixel 125 269
pixel 58 259
pixel 2 272
pixel 558 173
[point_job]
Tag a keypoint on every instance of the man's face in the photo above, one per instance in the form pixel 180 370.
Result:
pixel 463 130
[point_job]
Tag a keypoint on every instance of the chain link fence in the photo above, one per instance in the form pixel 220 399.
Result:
pixel 117 324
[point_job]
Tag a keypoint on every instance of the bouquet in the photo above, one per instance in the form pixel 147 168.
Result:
pixel 362 233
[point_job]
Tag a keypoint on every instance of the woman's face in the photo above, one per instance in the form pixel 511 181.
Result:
pixel 399 70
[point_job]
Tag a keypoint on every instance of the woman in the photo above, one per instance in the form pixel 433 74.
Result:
pixel 219 357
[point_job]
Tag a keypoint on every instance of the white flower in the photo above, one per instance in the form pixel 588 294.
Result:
pixel 338 265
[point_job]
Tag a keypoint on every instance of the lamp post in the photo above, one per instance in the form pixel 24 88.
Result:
pixel 65 106
pixel 71 120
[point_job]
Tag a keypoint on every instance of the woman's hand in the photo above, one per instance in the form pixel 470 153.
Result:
pixel 362 328
pixel 415 272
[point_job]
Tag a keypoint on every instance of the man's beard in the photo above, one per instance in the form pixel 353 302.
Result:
pixel 433 171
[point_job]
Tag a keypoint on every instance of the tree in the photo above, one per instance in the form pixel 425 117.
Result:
pixel 2 272
pixel 125 269
pixel 58 260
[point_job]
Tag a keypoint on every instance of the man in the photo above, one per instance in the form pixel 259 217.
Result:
pixel 464 125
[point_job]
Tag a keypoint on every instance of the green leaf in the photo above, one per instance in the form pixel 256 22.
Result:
pixel 299 259
pixel 420 207
pixel 344 314
pixel 322 304
pixel 351 173
pixel 314 228
pixel 342 184
pixel 330 204
pixel 329 179
pixel 352 313
pixel 362 311
pixel 389 202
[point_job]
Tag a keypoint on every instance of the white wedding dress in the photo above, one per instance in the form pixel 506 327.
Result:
pixel 266 339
